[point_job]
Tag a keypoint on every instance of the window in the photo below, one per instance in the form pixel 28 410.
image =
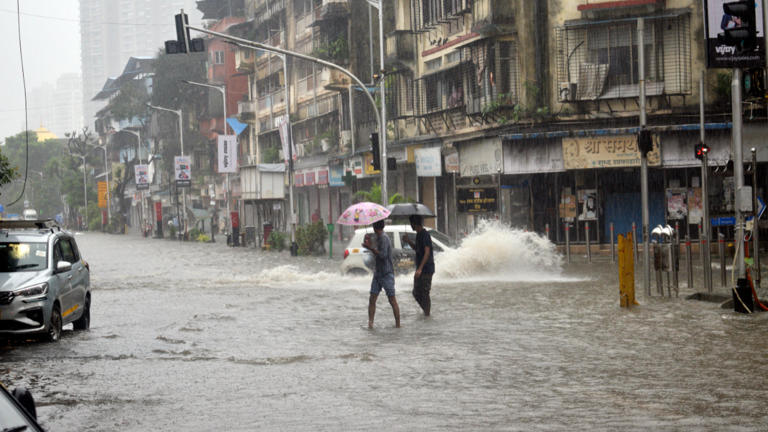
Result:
pixel 491 74
pixel 601 60
pixel 433 64
pixel 67 254
pixel 443 90
pixel 218 57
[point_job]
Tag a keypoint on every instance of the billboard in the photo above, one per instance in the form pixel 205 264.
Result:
pixel 141 172
pixel 183 171
pixel 227 149
pixel 721 54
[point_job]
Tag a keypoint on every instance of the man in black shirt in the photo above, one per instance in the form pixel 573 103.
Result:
pixel 425 263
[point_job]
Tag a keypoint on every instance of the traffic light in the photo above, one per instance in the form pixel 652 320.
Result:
pixel 183 42
pixel 700 149
pixel 644 141
pixel 375 150
pixel 739 25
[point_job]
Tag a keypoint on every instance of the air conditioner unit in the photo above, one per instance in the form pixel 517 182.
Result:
pixel 566 92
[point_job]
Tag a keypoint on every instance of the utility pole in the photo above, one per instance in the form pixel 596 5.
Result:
pixel 738 170
pixel 643 160
pixel 704 191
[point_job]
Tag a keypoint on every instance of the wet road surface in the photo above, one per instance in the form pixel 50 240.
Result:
pixel 205 337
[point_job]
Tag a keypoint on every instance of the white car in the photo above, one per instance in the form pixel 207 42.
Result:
pixel 358 260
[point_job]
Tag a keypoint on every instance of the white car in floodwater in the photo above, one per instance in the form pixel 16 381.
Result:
pixel 358 260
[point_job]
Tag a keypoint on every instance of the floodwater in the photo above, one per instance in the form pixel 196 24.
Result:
pixel 199 337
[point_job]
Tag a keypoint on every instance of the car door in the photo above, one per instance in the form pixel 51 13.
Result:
pixel 79 279
pixel 65 279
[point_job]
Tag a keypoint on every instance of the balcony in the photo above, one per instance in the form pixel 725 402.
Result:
pixel 333 79
pixel 271 102
pixel 493 17
pixel 305 87
pixel 247 110
pixel 245 60
pixel 399 48
pixel 330 10
pixel 268 9
pixel 304 25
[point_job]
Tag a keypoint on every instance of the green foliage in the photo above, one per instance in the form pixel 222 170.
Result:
pixel 330 135
pixel 311 238
pixel 202 238
pixel 722 88
pixel 8 172
pixel 194 233
pixel 374 195
pixel 130 101
pixel 172 231
pixel 277 240
pixel 336 50
pixel 270 155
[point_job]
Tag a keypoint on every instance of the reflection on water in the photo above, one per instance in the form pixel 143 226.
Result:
pixel 205 337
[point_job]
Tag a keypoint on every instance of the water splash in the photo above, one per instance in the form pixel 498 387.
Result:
pixel 494 251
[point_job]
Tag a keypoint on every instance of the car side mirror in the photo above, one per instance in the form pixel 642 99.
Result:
pixel 63 266
pixel 25 399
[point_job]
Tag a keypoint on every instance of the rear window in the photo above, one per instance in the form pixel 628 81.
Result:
pixel 22 256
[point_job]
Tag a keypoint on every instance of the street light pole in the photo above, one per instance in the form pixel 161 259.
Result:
pixel 181 143
pixel 223 90
pixel 382 88
pixel 138 157
pixel 85 193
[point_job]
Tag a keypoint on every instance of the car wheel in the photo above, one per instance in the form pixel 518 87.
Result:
pixel 84 322
pixel 54 327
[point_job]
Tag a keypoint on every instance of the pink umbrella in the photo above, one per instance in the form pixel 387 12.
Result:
pixel 364 213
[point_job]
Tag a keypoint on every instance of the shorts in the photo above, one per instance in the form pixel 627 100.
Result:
pixel 387 282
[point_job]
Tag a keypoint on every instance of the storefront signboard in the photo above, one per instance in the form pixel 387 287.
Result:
pixel 481 157
pixel 477 200
pixel 369 171
pixel 309 178
pixel 322 176
pixel 335 175
pixel 354 165
pixel 452 162
pixel 298 179
pixel 183 170
pixel 618 151
pixel 428 162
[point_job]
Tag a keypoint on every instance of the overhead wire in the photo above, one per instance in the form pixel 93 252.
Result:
pixel 26 110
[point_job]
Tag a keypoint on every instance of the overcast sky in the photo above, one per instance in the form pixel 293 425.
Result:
pixel 50 39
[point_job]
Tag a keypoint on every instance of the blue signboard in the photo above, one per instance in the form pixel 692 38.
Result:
pixel 723 221
pixel 336 172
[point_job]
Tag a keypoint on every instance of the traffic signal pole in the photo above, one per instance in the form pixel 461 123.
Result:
pixel 738 169
pixel 705 243
pixel 644 162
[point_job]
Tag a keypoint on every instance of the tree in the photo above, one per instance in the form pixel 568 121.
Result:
pixel 374 195
pixel 8 172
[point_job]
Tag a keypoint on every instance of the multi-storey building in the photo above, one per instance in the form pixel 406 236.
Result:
pixel 524 112
pixel 112 31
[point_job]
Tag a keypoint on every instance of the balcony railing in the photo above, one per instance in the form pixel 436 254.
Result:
pixel 271 101
pixel 329 9
pixel 304 25
pixel 247 108
pixel 492 16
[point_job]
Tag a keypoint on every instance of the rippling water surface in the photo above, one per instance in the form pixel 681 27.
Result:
pixel 205 337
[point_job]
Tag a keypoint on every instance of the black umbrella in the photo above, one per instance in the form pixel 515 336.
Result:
pixel 408 209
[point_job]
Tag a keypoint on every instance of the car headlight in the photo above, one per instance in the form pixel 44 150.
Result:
pixel 32 291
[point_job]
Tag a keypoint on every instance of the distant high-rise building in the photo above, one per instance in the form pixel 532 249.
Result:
pixel 68 110
pixel 111 31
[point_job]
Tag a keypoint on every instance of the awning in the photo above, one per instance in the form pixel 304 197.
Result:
pixel 545 156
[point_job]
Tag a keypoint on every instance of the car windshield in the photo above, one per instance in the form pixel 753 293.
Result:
pixel 23 256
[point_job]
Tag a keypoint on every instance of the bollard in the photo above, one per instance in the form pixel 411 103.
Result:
pixel 721 250
pixel 589 246
pixel 546 230
pixel 626 272
pixel 613 246
pixel 689 261
pixel 634 240
pixel 568 242
pixel 673 253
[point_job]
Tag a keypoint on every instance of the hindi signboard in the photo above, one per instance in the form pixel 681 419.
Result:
pixel 477 200
pixel 618 151
pixel 227 159
pixel 428 162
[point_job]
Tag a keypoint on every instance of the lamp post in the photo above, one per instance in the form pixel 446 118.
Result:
pixel 85 192
pixel 223 90
pixel 378 4
pixel 181 143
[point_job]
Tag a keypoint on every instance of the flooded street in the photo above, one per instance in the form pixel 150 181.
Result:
pixel 188 336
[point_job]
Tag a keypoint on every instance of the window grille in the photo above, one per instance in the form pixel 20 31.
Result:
pixel 600 61
pixel 399 88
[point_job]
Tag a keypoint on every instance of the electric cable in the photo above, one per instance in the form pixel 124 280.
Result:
pixel 26 111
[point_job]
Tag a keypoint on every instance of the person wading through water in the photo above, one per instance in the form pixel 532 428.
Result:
pixel 384 273
pixel 425 263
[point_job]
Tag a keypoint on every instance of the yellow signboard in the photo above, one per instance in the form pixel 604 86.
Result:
pixel 368 164
pixel 102 186
pixel 617 151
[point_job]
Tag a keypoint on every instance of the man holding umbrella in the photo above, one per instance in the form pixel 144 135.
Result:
pixel 384 273
pixel 425 263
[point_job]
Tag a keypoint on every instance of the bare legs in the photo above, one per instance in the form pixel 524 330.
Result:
pixel 372 310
